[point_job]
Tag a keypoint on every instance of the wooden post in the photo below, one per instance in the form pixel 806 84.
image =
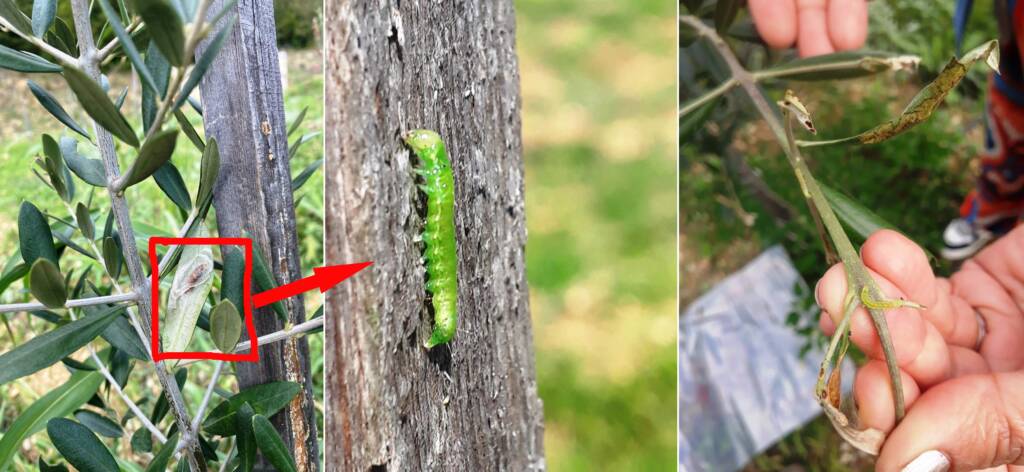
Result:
pixel 391 405
pixel 244 109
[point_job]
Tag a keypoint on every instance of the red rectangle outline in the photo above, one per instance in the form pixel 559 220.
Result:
pixel 253 355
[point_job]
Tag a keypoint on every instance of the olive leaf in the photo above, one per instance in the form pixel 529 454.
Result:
pixel 193 279
pixel 55 168
pixel 43 14
pixel 208 171
pixel 265 281
pixel 50 347
pixel 91 171
pixel 840 65
pixel 265 399
pixel 98 105
pixel 165 28
pixel 84 221
pixel 189 130
pixel 34 235
pixel 225 326
pixel 168 178
pixel 54 107
pixel 57 403
pixel 47 284
pixel 156 151
pixel 112 257
pixel 232 277
pixel 10 12
pixel 142 441
pixel 306 173
pixel 161 69
pixel 299 142
pixel 246 440
pixel 79 446
pixel 271 445
pixel 20 61
pixel 99 424
pixel 298 121
pixel 926 101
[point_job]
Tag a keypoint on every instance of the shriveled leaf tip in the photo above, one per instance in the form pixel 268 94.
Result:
pixel 792 103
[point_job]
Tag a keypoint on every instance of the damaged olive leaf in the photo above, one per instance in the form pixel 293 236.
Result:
pixel 926 101
pixel 192 282
pixel 840 65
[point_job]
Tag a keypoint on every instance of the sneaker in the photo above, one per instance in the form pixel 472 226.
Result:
pixel 963 239
pixel 965 236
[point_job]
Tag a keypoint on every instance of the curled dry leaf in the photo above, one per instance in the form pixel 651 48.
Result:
pixel 792 103
pixel 927 100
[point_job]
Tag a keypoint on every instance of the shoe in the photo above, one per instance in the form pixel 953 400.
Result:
pixel 962 239
pixel 965 236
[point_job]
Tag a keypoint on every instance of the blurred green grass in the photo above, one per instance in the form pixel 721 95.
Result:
pixel 599 133
pixel 21 122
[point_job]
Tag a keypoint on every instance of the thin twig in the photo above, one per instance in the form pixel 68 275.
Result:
pixel 696 103
pixel 198 417
pixel 61 56
pixel 109 48
pixel 857 274
pixel 294 331
pixel 128 298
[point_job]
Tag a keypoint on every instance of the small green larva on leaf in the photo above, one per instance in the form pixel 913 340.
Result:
pixel 439 231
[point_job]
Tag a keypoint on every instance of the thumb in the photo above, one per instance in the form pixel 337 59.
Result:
pixel 976 421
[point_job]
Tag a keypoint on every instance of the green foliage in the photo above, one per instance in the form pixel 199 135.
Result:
pixel 80 446
pixel 294 20
pixel 271 445
pixel 265 399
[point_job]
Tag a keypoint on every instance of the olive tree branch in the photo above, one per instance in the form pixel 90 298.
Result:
pixel 289 332
pixel 61 56
pixel 856 273
pixel 127 298
pixel 119 206
pixel 198 417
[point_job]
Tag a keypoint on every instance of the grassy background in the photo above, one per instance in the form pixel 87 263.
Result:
pixel 598 128
pixel 915 181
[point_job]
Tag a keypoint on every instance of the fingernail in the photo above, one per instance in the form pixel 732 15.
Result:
pixel 816 299
pixel 930 461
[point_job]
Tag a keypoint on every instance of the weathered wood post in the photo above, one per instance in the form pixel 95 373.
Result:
pixel 243 109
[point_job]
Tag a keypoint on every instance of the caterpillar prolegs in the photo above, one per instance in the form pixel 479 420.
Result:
pixel 438 231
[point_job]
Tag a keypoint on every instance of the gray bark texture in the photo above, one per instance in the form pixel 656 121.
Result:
pixel 471 405
pixel 243 108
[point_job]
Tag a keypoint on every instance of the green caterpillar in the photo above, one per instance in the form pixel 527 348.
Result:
pixel 439 231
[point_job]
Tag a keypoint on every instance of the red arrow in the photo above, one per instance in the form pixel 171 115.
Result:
pixel 323 278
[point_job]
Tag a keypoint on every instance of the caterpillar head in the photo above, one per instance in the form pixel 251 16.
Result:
pixel 423 141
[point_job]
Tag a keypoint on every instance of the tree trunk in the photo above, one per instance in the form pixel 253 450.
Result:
pixel 244 110
pixel 470 405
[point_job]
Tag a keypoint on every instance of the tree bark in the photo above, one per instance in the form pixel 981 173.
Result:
pixel 391 405
pixel 244 110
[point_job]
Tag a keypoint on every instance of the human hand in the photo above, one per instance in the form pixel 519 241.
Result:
pixel 816 26
pixel 960 359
